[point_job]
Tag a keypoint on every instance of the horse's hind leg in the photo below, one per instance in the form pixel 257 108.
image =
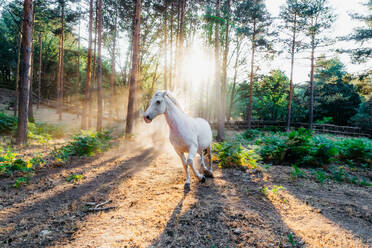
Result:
pixel 206 172
pixel 209 150
pixel 183 159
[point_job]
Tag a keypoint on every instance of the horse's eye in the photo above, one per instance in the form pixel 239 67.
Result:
pixel 157 102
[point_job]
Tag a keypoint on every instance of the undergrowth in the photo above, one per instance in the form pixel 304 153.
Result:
pixel 85 144
pixel 234 154
pixel 304 149
pixel 40 132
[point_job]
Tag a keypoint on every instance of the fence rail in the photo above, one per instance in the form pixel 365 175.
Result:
pixel 319 128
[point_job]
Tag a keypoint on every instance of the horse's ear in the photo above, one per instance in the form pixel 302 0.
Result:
pixel 164 93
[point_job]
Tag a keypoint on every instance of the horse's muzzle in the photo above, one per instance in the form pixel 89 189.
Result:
pixel 147 119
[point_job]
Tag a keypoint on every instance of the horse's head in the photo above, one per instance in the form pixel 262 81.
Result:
pixel 157 106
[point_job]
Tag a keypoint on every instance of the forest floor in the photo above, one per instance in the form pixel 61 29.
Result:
pixel 144 184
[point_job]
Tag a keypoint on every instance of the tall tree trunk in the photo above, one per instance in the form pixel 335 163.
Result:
pixel 77 86
pixel 171 49
pixel 60 69
pixel 30 100
pixel 17 74
pixel 133 74
pixel 311 107
pixel 220 126
pixel 24 73
pixel 88 72
pixel 182 38
pixel 113 104
pixel 291 79
pixel 40 69
pixel 224 72
pixel 234 80
pixel 94 70
pixel 165 45
pixel 59 75
pixel 251 76
pixel 30 95
pixel 99 69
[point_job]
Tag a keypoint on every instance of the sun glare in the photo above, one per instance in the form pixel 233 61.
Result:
pixel 198 67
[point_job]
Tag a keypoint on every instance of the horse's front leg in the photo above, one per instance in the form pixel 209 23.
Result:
pixel 183 159
pixel 190 161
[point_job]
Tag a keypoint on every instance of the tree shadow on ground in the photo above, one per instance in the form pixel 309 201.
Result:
pixel 60 211
pixel 345 205
pixel 216 214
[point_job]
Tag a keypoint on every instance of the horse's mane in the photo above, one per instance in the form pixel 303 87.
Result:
pixel 173 100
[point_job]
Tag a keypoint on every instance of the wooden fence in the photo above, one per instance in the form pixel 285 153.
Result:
pixel 318 128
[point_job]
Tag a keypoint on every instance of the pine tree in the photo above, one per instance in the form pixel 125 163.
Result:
pixel 24 72
pixel 319 18
pixel 253 21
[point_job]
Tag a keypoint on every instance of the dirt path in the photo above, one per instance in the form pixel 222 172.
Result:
pixel 145 186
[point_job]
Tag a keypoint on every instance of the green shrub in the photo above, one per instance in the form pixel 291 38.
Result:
pixel 21 181
pixel 7 123
pixel 83 145
pixel 322 152
pixel 297 173
pixel 272 148
pixel 9 163
pixel 230 154
pixel 272 129
pixel 298 145
pixel 250 134
pixel 358 150
pixel 74 178
pixel 325 120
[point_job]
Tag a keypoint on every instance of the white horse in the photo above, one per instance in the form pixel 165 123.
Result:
pixel 187 135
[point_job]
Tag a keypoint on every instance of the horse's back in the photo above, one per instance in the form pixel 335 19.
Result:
pixel 204 133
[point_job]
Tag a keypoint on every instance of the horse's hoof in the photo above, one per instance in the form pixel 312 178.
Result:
pixel 207 173
pixel 186 187
pixel 202 179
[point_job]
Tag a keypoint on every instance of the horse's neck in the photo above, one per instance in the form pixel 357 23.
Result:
pixel 174 116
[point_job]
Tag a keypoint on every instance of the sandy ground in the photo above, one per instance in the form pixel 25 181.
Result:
pixel 151 209
pixel 144 184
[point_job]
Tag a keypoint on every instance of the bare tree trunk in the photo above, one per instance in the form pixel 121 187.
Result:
pixel 182 38
pixel 251 77
pixel 113 104
pixel 88 72
pixel 133 74
pixel 311 107
pixel 40 69
pixel 59 75
pixel 224 72
pixel 24 73
pixel 30 101
pixel 234 80
pixel 220 126
pixel 77 86
pixel 99 69
pixel 17 74
pixel 94 76
pixel 165 46
pixel 171 50
pixel 291 79
pixel 60 69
